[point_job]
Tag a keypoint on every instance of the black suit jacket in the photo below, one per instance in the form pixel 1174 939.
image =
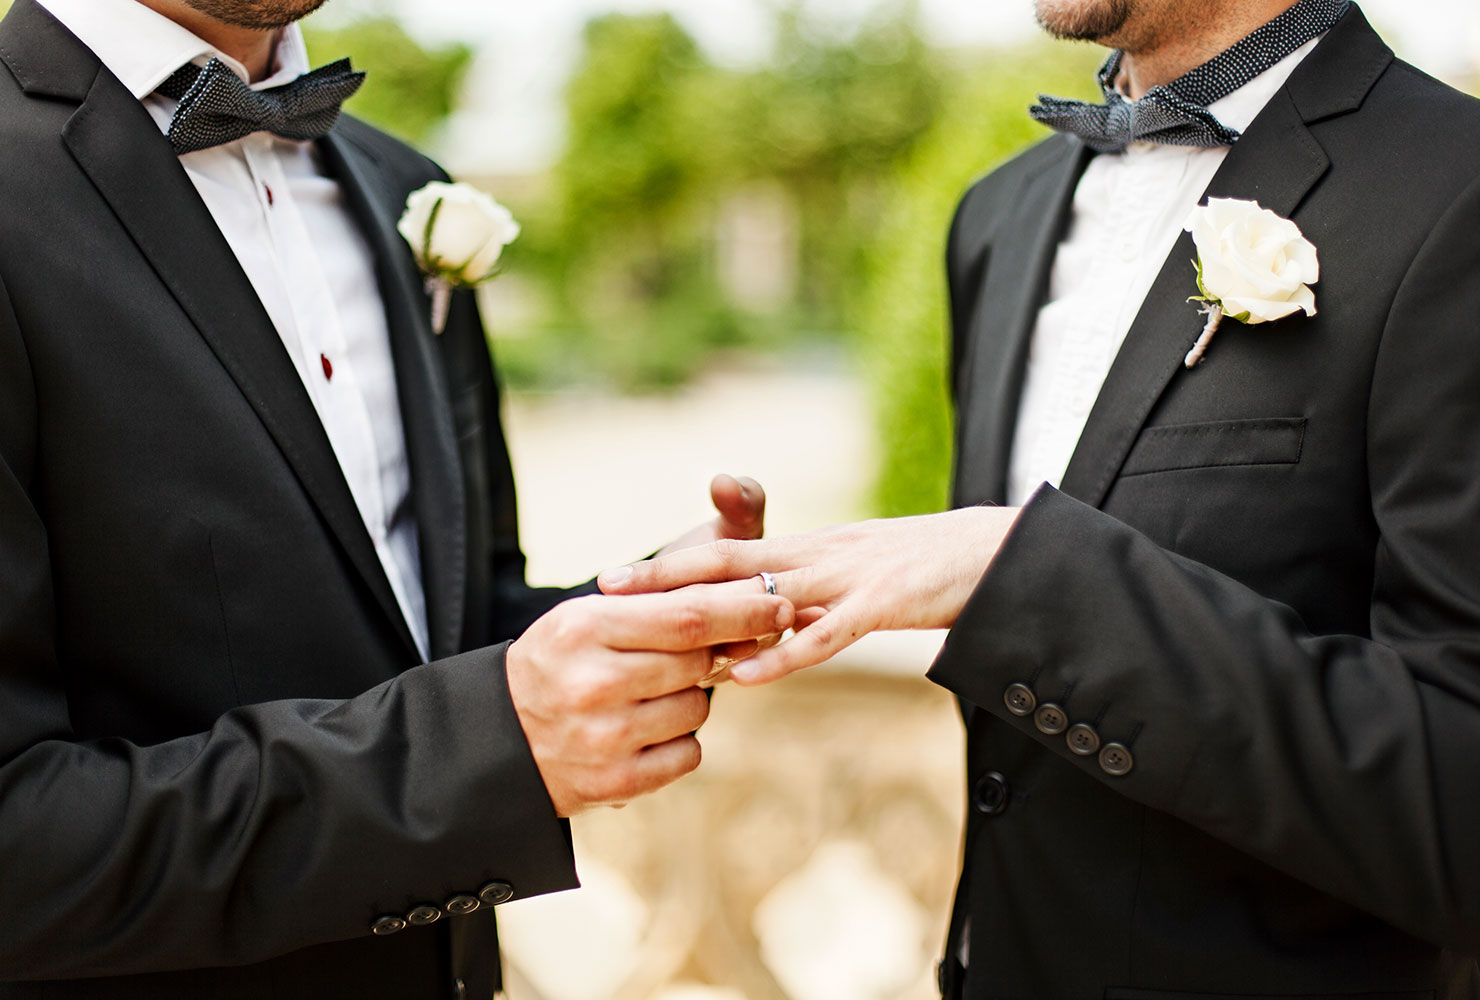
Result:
pixel 212 751
pixel 1261 578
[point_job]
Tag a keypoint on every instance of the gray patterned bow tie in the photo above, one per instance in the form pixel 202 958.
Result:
pixel 216 107
pixel 1177 113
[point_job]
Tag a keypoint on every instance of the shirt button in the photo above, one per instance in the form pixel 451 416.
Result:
pixel 1020 700
pixel 990 794
pixel 422 915
pixel 1083 739
pixel 496 892
pixel 387 925
pixel 458 905
pixel 1116 760
pixel 1050 719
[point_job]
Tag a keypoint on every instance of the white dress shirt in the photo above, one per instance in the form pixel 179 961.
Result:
pixel 1128 211
pixel 288 225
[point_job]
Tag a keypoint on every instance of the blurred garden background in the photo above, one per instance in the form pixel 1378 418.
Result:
pixel 707 185
pixel 734 219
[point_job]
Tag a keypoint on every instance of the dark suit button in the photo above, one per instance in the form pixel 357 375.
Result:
pixel 387 925
pixel 1020 699
pixel 990 794
pixel 1116 760
pixel 458 905
pixel 1083 739
pixel 422 915
pixel 1050 719
pixel 495 893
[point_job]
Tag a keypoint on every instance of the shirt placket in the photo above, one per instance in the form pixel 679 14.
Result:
pixel 323 359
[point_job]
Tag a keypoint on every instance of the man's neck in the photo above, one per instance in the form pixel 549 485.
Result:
pixel 252 47
pixel 1158 54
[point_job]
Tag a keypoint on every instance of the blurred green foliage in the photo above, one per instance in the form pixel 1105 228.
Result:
pixel 903 320
pixel 409 89
pixel 867 140
pixel 662 149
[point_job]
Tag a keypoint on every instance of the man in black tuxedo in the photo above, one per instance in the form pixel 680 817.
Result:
pixel 258 553
pixel 1222 675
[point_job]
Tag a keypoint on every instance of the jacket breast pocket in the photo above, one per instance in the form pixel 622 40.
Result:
pixel 1263 441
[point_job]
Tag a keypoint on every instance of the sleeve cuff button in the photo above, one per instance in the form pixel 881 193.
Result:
pixel 1020 700
pixel 387 925
pixel 495 893
pixel 424 914
pixel 459 905
pixel 1116 760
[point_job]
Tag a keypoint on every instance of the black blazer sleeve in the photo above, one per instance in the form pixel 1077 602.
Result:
pixel 288 823
pixel 1348 762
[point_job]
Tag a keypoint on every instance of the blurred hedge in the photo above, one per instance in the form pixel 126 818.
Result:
pixel 905 335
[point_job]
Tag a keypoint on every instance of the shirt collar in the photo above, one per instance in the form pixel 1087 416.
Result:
pixel 142 47
pixel 1239 109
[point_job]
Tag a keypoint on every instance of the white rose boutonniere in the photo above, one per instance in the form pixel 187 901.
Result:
pixel 1253 266
pixel 457 234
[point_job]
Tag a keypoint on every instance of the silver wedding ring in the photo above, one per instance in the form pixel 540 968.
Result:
pixel 769 582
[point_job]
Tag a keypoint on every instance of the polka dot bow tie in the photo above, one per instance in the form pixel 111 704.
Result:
pixel 1177 113
pixel 216 107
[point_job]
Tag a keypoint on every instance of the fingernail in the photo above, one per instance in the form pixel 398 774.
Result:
pixel 785 615
pixel 612 577
pixel 743 671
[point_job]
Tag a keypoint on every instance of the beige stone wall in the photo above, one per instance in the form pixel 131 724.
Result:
pixel 813 855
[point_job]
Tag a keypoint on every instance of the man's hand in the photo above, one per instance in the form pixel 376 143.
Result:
pixel 605 687
pixel 906 573
pixel 741 506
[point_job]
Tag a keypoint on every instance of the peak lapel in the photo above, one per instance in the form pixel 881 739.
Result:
pixel 1003 325
pixel 1276 163
pixel 118 146
pixel 426 409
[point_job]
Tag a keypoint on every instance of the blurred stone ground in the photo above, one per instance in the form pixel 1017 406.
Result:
pixel 813 856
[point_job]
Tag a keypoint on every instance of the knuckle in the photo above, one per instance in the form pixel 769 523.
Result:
pixel 690 625
pixel 620 783
pixel 608 736
pixel 586 690
pixel 575 621
pixel 821 633
pixel 727 551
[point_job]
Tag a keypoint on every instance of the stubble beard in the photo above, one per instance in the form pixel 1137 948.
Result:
pixel 1083 20
pixel 261 15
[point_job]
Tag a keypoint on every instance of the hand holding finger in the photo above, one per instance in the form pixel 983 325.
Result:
pixel 822 639
pixel 697 618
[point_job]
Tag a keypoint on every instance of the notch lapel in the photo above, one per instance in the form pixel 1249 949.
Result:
pixel 1276 163
pixel 426 407
pixel 1002 329
pixel 117 145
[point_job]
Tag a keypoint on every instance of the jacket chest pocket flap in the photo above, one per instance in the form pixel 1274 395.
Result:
pixel 1262 441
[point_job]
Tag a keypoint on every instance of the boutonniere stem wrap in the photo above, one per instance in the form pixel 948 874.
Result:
pixel 1253 266
pixel 457 234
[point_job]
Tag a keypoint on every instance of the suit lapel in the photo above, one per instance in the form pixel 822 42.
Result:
pixel 1276 163
pixel 117 145
pixel 1003 326
pixel 426 409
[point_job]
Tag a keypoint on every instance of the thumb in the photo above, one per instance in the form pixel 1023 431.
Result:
pixel 741 503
